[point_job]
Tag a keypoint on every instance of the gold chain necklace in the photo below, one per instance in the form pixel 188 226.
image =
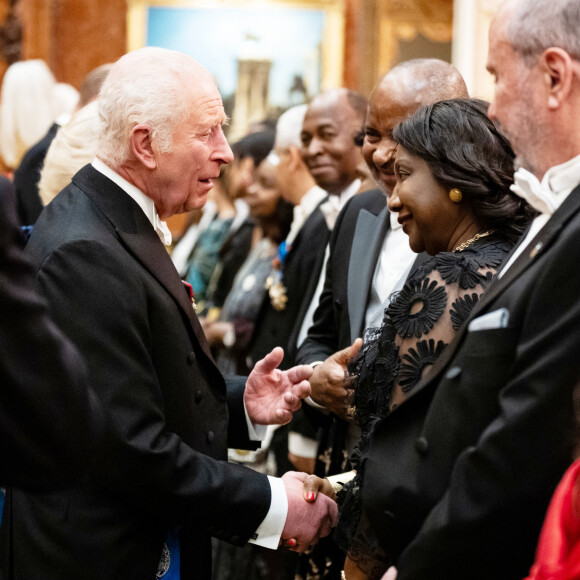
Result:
pixel 476 237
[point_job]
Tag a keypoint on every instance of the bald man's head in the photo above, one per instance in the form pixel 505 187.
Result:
pixel 397 95
pixel 425 81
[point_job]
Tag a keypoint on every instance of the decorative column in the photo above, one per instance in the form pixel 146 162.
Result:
pixel 471 19
pixel 252 102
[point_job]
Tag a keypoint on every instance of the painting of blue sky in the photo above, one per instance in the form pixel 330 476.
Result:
pixel 290 38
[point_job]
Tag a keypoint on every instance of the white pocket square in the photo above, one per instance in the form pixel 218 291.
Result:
pixel 496 319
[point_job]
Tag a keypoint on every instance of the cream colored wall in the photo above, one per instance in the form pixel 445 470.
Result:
pixel 471 20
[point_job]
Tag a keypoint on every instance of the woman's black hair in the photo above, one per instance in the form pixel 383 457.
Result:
pixel 465 150
pixel 255 145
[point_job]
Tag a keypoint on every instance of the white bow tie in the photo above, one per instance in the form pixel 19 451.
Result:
pixel 538 195
pixel 330 210
pixel 298 220
pixel 162 231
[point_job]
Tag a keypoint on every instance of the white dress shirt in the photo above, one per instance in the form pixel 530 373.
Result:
pixel 391 271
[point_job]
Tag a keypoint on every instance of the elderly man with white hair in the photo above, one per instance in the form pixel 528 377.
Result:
pixel 159 486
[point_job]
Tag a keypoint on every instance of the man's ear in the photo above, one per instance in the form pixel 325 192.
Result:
pixel 142 146
pixel 295 157
pixel 559 70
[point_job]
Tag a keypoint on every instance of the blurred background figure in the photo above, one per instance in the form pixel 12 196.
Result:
pixel 231 334
pixel 30 103
pixel 328 150
pixel 27 175
pixel 210 257
pixel 244 233
pixel 73 147
pixel 205 254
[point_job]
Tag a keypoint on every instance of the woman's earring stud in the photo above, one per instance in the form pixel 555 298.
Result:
pixel 455 195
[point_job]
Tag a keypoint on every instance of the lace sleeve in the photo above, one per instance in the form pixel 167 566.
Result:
pixel 420 321
pixel 427 313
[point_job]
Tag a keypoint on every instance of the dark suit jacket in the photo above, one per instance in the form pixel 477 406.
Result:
pixel 300 273
pixel 460 475
pixel 355 245
pixel 46 426
pixel 27 176
pixel 112 286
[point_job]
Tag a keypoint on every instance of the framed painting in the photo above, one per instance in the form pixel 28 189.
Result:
pixel 265 55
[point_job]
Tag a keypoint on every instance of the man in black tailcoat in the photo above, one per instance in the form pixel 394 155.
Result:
pixel 162 487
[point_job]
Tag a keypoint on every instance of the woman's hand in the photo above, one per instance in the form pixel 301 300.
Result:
pixel 313 484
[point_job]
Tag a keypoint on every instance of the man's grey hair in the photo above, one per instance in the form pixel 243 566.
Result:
pixel 145 86
pixel 289 127
pixel 535 25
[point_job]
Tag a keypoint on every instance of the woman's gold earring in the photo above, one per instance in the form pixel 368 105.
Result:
pixel 455 195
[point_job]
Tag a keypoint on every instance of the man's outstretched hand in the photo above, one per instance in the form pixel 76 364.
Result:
pixel 331 387
pixel 272 395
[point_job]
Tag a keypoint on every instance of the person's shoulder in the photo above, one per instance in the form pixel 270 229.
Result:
pixel 37 152
pixel 6 190
pixel 71 215
pixel 373 200
pixel 8 218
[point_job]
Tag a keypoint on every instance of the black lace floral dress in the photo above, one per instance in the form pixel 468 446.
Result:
pixel 419 323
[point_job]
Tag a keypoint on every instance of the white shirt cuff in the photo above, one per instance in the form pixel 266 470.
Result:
pixel 310 401
pixel 255 432
pixel 302 446
pixel 270 530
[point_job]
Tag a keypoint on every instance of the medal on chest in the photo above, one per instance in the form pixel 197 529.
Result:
pixel 274 285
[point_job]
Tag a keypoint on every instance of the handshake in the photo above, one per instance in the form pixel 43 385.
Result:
pixel 270 397
pixel 311 515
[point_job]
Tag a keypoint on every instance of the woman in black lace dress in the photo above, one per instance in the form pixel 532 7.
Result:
pixel 453 171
